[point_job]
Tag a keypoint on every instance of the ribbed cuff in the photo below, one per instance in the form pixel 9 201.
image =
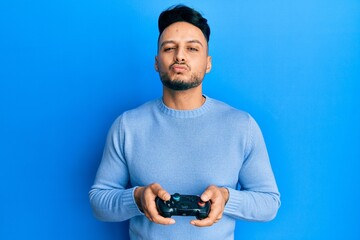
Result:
pixel 235 200
pixel 128 200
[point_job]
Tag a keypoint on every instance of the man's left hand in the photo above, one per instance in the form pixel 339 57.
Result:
pixel 218 196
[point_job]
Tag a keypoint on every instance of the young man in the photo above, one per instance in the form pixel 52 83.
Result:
pixel 184 143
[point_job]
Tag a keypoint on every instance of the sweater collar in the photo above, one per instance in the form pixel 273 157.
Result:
pixel 185 113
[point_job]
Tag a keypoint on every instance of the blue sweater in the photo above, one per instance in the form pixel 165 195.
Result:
pixel 185 151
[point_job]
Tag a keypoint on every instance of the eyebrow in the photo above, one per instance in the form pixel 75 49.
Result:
pixel 173 42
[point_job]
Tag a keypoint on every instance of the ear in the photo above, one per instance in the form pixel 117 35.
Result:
pixel 208 64
pixel 156 65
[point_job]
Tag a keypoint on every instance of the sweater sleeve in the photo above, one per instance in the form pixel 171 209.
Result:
pixel 258 198
pixel 109 197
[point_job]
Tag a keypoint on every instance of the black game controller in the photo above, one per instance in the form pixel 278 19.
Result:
pixel 183 205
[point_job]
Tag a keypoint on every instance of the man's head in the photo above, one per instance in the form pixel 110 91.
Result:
pixel 182 59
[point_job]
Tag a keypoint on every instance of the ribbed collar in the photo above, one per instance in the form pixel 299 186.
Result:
pixel 185 113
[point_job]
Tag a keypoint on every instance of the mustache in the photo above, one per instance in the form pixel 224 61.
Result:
pixel 180 64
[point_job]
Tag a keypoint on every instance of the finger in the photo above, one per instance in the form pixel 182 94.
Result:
pixel 215 212
pixel 214 216
pixel 208 194
pixel 162 220
pixel 203 223
pixel 163 194
pixel 160 192
pixel 148 201
pixel 155 190
pixel 153 215
pixel 209 221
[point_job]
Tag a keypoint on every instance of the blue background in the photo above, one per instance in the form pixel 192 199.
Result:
pixel 69 68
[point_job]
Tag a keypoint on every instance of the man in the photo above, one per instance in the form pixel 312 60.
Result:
pixel 184 143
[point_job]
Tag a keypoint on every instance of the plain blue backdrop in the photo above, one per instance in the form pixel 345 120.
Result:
pixel 68 68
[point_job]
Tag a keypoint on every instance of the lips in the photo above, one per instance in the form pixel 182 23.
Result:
pixel 179 67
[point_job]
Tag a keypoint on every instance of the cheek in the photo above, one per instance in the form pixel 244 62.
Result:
pixel 162 63
pixel 203 66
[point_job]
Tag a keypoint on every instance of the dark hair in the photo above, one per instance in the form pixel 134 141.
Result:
pixel 182 13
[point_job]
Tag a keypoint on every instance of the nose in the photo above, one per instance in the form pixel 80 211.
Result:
pixel 180 55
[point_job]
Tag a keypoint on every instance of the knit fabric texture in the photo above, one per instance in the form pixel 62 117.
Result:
pixel 185 151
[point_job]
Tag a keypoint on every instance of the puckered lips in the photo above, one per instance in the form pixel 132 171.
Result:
pixel 179 68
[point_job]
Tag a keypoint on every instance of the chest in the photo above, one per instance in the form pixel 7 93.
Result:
pixel 185 160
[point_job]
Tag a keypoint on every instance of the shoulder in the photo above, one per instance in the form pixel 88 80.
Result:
pixel 136 115
pixel 233 117
pixel 228 111
pixel 144 108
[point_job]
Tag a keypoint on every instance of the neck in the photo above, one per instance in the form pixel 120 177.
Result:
pixel 183 100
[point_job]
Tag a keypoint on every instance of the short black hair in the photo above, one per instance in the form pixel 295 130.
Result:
pixel 182 13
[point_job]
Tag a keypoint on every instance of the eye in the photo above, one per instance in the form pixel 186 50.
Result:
pixel 192 49
pixel 168 49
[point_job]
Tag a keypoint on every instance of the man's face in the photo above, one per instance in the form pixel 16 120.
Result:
pixel 182 59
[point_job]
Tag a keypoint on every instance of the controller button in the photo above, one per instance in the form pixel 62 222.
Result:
pixel 176 197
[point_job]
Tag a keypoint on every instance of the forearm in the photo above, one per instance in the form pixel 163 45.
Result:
pixel 252 206
pixel 113 205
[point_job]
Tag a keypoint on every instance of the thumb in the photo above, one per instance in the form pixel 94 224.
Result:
pixel 206 196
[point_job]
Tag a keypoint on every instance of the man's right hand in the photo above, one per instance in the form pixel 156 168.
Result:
pixel 145 199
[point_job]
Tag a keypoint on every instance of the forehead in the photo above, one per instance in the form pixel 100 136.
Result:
pixel 182 32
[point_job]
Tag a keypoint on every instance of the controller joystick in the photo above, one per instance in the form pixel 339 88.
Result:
pixel 183 205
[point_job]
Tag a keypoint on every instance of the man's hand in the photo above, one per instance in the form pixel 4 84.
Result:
pixel 218 198
pixel 145 199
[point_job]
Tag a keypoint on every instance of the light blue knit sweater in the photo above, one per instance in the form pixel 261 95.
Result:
pixel 185 151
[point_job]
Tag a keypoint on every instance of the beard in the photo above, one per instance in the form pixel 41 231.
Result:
pixel 178 84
